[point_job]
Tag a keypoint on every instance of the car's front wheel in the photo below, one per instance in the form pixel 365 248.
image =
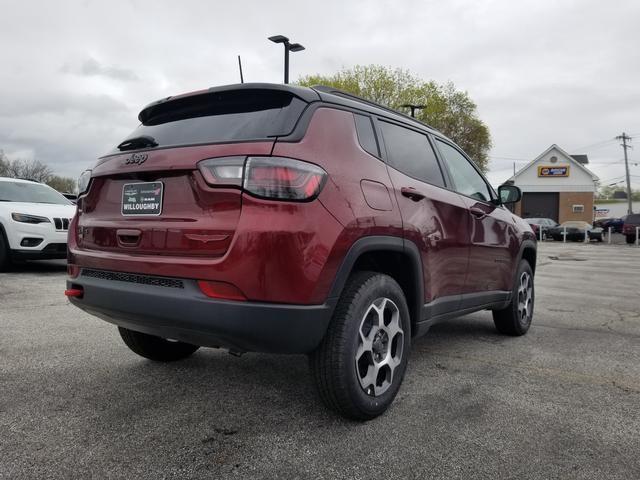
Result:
pixel 516 318
pixel 359 366
pixel 156 348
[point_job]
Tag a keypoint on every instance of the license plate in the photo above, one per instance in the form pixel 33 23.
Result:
pixel 144 198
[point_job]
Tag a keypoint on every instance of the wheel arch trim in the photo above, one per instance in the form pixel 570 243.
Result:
pixel 383 243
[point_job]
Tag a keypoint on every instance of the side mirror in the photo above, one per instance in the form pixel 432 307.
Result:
pixel 509 194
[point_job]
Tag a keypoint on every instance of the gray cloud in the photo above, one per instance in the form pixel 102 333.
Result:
pixel 92 67
pixel 541 72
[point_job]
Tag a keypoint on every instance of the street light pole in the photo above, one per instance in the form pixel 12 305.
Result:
pixel 288 47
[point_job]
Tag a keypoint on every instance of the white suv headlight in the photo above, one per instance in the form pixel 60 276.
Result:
pixel 24 218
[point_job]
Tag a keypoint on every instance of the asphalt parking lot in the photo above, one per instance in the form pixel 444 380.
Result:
pixel 561 402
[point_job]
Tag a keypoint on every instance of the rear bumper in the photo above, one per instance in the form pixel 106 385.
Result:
pixel 185 313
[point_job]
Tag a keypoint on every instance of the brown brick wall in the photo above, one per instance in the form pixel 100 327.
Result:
pixel 568 199
pixel 517 209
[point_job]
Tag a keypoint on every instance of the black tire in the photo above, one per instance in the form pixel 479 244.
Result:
pixel 156 348
pixel 631 239
pixel 512 320
pixel 338 374
pixel 5 257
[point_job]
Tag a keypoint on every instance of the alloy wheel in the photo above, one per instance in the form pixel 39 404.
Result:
pixel 525 298
pixel 380 346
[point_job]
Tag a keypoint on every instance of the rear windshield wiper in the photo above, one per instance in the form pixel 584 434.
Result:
pixel 143 141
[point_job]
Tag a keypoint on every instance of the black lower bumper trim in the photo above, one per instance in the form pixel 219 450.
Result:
pixel 56 252
pixel 189 316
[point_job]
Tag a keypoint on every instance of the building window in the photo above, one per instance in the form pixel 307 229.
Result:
pixel 578 208
pixel 553 159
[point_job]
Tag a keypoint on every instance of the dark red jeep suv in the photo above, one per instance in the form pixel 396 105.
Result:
pixel 282 219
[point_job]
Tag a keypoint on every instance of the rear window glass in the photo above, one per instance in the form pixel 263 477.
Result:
pixel 221 117
pixel 634 218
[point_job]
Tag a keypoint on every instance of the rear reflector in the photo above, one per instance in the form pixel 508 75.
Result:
pixel 221 290
pixel 74 292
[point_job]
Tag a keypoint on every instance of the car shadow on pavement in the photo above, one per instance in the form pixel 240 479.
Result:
pixel 213 391
pixel 38 266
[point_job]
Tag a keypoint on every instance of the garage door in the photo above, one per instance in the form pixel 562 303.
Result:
pixel 540 205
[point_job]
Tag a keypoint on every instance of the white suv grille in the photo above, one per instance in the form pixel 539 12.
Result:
pixel 61 224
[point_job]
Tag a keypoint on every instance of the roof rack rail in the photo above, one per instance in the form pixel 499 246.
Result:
pixel 337 91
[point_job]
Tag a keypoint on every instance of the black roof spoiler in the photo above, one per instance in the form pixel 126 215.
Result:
pixel 306 94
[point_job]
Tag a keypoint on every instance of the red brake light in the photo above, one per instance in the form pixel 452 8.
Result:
pixel 281 178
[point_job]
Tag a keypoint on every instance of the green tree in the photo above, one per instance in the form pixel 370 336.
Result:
pixel 449 110
pixel 62 184
pixel 35 170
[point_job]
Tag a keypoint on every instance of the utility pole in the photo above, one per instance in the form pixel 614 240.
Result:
pixel 624 137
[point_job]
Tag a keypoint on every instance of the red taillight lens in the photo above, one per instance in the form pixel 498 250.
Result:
pixel 223 172
pixel 283 178
pixel 221 290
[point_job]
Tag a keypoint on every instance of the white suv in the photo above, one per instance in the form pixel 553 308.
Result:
pixel 34 221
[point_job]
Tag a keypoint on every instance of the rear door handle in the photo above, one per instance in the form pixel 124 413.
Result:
pixel 476 212
pixel 411 193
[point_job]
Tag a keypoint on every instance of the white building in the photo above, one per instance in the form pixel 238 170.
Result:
pixel 556 185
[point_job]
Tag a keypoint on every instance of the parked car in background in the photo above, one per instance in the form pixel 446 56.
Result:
pixel 541 223
pixel 615 224
pixel 34 221
pixel 629 228
pixel 283 219
pixel 575 231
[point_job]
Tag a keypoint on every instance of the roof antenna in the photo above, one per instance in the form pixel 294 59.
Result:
pixel 240 67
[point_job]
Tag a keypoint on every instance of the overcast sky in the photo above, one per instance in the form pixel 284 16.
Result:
pixel 74 74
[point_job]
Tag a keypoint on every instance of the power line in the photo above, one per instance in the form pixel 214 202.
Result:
pixel 612 178
pixel 510 158
pixel 595 145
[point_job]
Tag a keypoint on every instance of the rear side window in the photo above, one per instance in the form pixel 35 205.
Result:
pixel 366 135
pixel 219 117
pixel 411 153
